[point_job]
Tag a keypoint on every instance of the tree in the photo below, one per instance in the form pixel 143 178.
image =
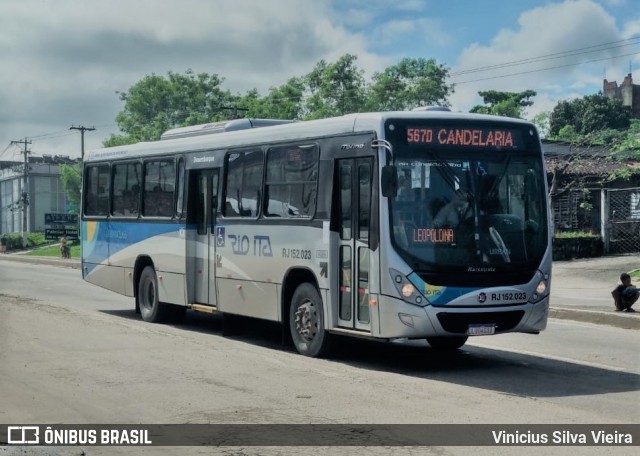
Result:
pixel 283 102
pixel 410 84
pixel 629 141
pixel 541 120
pixel 72 183
pixel 157 103
pixel 589 114
pixel 506 104
pixel 335 88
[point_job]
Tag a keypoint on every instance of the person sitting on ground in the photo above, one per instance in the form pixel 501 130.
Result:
pixel 625 295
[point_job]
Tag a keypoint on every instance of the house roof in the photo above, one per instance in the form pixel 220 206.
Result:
pixel 592 166
pixel 595 161
pixel 563 149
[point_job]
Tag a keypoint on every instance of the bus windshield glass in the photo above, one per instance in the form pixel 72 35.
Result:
pixel 462 207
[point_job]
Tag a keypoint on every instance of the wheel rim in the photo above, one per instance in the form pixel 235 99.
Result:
pixel 306 319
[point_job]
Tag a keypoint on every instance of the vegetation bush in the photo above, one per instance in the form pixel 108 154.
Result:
pixel 14 240
pixel 577 244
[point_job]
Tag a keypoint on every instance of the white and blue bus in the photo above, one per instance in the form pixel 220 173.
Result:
pixel 396 225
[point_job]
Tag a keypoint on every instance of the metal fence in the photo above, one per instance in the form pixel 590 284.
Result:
pixel 614 213
pixel 623 220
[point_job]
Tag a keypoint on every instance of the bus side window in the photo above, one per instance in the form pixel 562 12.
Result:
pixel 243 184
pixel 345 201
pixel 292 180
pixel 97 187
pixel 180 177
pixel 159 180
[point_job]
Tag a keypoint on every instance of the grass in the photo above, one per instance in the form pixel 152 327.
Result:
pixel 635 274
pixel 54 251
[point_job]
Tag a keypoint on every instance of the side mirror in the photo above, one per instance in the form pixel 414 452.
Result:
pixel 389 181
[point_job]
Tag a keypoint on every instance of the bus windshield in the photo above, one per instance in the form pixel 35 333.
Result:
pixel 464 209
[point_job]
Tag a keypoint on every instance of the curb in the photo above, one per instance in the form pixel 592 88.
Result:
pixel 617 319
pixel 60 262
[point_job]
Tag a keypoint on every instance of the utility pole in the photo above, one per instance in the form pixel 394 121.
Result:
pixel 25 190
pixel 82 130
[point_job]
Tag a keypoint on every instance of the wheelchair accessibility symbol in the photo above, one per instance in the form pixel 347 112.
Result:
pixel 220 237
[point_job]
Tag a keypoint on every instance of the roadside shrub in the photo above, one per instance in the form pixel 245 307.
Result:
pixel 36 239
pixel 577 244
pixel 14 240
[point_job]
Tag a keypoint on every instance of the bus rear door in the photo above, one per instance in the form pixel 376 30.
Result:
pixel 204 257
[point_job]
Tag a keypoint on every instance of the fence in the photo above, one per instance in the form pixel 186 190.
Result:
pixel 614 213
pixel 621 220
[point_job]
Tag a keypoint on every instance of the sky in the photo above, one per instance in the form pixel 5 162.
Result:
pixel 62 62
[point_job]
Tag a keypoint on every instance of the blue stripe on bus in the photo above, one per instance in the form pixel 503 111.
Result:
pixel 101 239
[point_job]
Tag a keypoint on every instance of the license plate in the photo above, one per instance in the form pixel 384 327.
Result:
pixel 481 330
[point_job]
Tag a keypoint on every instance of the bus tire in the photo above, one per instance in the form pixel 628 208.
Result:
pixel 447 342
pixel 306 322
pixel 151 309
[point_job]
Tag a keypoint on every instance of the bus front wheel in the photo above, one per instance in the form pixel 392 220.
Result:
pixel 447 342
pixel 151 309
pixel 306 322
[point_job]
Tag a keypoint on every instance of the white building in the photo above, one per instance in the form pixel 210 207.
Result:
pixel 44 192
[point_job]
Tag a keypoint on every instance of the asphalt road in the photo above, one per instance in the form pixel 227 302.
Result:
pixel 73 353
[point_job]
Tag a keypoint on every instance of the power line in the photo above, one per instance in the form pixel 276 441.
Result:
pixel 52 134
pixel 544 69
pixel 6 149
pixel 556 55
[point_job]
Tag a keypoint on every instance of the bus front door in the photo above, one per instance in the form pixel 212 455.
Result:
pixel 204 256
pixel 354 180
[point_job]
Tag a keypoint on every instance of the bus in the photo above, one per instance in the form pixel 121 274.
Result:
pixel 423 224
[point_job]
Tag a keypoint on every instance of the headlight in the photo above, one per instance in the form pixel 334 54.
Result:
pixel 407 291
pixel 541 289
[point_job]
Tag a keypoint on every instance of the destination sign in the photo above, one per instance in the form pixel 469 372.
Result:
pixel 433 236
pixel 465 136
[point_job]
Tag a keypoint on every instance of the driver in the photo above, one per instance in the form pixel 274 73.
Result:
pixel 454 212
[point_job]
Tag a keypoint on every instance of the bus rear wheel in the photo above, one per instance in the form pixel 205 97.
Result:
pixel 306 322
pixel 151 309
pixel 447 342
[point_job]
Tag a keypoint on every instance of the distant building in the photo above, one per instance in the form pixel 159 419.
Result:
pixel 44 192
pixel 627 92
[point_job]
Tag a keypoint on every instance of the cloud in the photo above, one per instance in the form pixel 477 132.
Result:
pixel 411 30
pixel 64 61
pixel 543 32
